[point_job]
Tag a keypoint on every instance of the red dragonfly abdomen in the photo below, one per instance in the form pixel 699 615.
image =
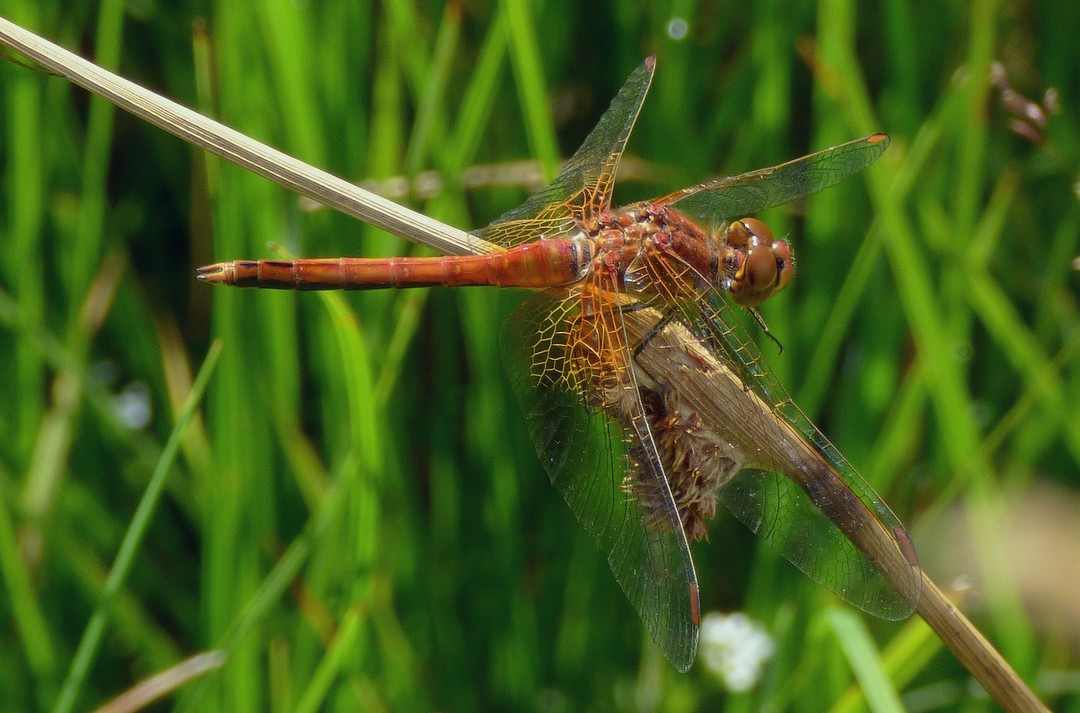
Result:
pixel 544 263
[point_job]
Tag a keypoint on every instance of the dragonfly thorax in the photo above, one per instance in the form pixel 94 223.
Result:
pixel 653 249
pixel 656 250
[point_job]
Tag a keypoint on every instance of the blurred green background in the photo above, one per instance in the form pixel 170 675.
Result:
pixel 355 513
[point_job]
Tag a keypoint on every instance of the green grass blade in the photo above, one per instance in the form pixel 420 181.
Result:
pixel 125 556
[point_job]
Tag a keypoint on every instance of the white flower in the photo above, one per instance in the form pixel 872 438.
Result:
pixel 735 648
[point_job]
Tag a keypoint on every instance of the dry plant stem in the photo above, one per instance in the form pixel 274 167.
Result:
pixel 672 356
pixel 162 684
pixel 976 653
pixel 238 148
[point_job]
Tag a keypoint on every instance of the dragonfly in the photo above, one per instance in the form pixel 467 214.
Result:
pixel 633 305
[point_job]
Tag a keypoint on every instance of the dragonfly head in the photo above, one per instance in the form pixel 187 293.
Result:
pixel 756 265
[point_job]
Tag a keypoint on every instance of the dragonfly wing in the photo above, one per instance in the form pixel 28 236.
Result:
pixel 722 200
pixel 791 486
pixel 811 516
pixel 584 185
pixel 779 511
pixel 603 461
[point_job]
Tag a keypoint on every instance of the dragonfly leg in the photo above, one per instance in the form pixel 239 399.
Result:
pixel 666 318
pixel 660 325
pixel 765 328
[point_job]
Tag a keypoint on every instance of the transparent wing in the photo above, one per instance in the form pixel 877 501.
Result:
pixel 584 185
pixel 724 199
pixel 568 364
pixel 790 486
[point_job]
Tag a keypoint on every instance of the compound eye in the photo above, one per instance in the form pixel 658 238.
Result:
pixel 785 264
pixel 757 231
pixel 738 235
pixel 761 268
